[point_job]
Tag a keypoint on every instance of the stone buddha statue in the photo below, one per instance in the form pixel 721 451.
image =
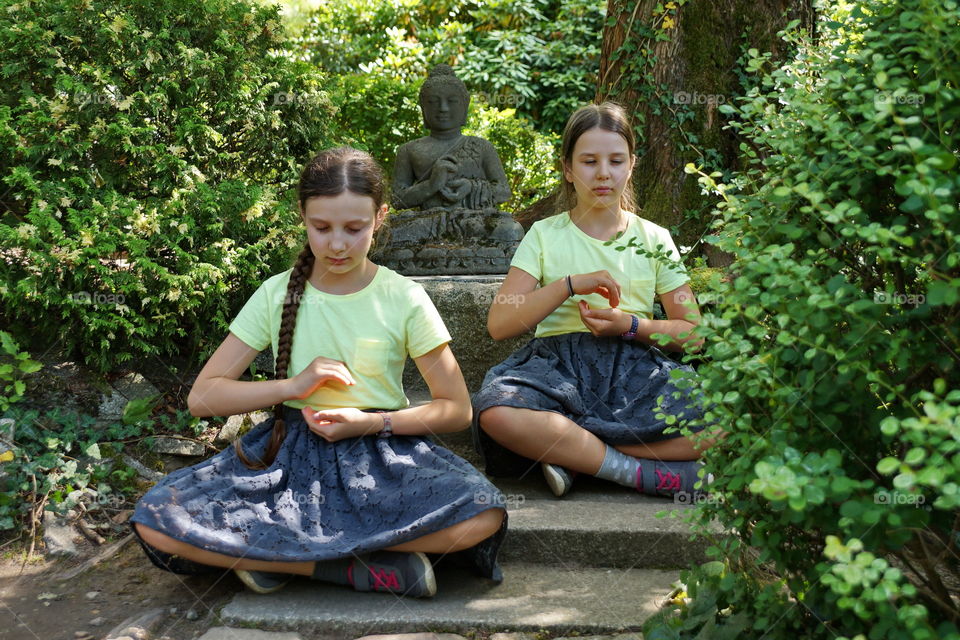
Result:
pixel 446 168
pixel 447 187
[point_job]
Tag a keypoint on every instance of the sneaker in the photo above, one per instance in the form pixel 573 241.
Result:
pixel 558 479
pixel 262 581
pixel 403 573
pixel 659 478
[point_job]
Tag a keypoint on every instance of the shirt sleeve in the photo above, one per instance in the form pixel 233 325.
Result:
pixel 252 324
pixel 425 328
pixel 669 276
pixel 529 255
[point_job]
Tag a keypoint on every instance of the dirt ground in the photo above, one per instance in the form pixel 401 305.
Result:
pixel 35 605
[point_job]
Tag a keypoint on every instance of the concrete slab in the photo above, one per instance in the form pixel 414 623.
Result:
pixel 229 633
pixel 531 598
pixel 621 531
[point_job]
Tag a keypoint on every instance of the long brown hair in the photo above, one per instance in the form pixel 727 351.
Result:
pixel 329 173
pixel 608 116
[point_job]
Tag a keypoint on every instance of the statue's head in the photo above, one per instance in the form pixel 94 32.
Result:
pixel 444 100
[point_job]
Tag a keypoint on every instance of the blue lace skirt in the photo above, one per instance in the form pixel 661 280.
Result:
pixel 606 385
pixel 318 500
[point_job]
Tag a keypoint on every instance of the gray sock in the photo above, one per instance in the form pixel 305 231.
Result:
pixel 335 571
pixel 619 467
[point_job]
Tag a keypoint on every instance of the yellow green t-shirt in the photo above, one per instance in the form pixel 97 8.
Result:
pixel 372 331
pixel 555 247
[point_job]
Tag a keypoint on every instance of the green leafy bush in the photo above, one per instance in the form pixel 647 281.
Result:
pixel 539 57
pixel 832 359
pixel 14 365
pixel 527 155
pixel 151 148
pixel 62 459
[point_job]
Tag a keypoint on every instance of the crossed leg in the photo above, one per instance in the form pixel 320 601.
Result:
pixel 462 535
pixel 550 437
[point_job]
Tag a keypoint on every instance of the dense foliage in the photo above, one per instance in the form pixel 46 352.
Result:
pixel 538 56
pixel 149 150
pixel 832 361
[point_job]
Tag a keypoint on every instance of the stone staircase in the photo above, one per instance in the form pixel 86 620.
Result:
pixel 598 561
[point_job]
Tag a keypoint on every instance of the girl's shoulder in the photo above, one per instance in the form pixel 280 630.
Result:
pixel 551 223
pixel 390 282
pixel 644 227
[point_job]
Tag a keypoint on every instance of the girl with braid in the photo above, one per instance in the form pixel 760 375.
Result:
pixel 340 484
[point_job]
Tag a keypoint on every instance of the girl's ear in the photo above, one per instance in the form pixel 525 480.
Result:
pixel 381 215
pixel 566 171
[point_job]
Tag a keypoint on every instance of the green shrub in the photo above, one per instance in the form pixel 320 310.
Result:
pixel 14 365
pixel 832 360
pixel 537 56
pixel 151 152
pixel 60 459
pixel 527 155
pixel 381 130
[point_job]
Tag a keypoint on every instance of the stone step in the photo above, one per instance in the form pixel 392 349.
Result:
pixel 531 598
pixel 597 524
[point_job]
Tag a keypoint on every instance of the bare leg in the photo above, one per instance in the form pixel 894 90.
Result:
pixel 462 535
pixel 545 436
pixel 681 448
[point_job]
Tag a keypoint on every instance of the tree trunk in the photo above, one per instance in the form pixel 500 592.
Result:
pixel 673 87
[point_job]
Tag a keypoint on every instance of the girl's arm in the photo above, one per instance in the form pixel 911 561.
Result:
pixel 520 306
pixel 448 411
pixel 218 391
pixel 683 315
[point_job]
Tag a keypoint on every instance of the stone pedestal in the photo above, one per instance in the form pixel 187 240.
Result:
pixel 449 242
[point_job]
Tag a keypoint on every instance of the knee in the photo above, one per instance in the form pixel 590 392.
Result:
pixel 482 526
pixel 155 539
pixel 498 422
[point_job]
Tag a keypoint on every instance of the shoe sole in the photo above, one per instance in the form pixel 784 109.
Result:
pixel 252 584
pixel 430 580
pixel 555 481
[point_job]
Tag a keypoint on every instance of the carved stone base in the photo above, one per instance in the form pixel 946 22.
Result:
pixel 441 242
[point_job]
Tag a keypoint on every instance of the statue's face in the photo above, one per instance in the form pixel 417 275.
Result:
pixel 444 109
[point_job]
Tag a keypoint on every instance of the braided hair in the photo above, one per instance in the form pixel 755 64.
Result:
pixel 329 173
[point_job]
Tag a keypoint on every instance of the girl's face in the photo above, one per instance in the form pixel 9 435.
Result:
pixel 599 168
pixel 340 230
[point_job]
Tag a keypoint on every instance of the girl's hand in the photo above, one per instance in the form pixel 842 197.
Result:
pixel 597 282
pixel 337 424
pixel 604 322
pixel 318 373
